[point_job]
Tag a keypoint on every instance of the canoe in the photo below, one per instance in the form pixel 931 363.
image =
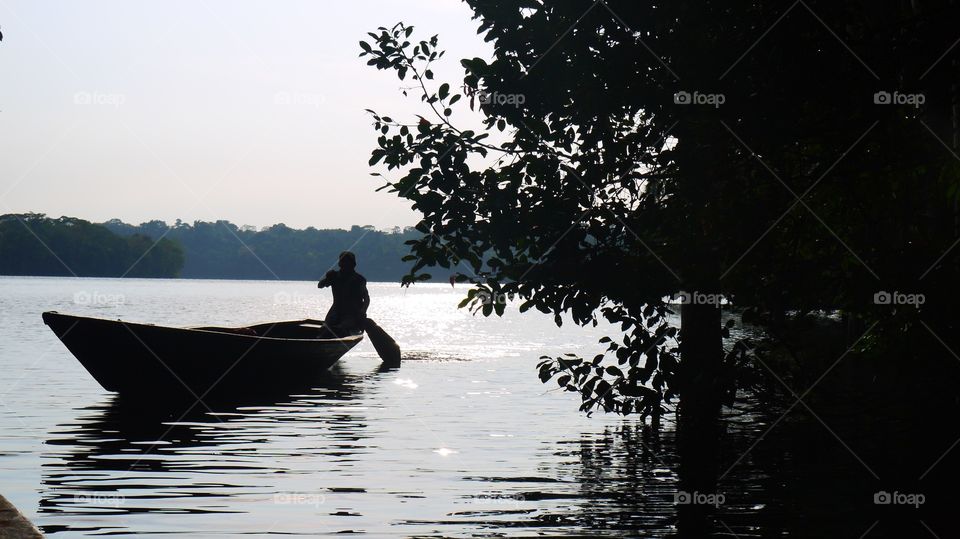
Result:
pixel 149 360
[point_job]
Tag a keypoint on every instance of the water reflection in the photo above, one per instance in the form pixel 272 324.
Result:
pixel 794 480
pixel 127 457
pixel 288 463
pixel 626 479
pixel 422 453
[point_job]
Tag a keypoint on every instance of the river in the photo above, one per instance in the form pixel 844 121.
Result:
pixel 461 441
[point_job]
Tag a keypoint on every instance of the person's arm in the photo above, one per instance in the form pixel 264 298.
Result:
pixel 327 279
pixel 365 298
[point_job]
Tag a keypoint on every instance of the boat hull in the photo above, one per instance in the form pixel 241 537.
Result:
pixel 147 360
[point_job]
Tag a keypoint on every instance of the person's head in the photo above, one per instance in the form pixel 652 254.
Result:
pixel 348 260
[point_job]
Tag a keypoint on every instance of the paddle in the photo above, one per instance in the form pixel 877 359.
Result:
pixel 386 347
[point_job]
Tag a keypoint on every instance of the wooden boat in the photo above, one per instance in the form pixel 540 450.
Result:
pixel 148 360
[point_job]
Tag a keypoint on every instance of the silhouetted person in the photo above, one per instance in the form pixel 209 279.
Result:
pixel 350 298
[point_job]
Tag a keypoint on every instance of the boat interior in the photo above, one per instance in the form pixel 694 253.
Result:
pixel 294 329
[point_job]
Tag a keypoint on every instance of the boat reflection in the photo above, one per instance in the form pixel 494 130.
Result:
pixel 126 457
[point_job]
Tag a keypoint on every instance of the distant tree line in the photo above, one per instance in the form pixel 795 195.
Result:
pixel 34 244
pixel 223 250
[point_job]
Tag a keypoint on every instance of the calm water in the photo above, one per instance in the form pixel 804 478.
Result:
pixel 461 441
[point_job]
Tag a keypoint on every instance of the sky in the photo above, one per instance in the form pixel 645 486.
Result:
pixel 250 111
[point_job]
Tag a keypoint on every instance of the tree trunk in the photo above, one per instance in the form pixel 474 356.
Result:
pixel 701 352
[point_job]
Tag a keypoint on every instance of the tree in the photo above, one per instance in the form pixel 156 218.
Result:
pixel 34 244
pixel 652 149
pixel 224 250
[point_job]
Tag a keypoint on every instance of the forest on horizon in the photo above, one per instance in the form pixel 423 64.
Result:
pixel 201 250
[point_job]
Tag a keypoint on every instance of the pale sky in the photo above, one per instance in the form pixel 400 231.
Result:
pixel 250 111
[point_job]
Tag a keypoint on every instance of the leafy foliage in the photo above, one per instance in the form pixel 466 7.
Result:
pixel 643 373
pixel 513 226
pixel 610 194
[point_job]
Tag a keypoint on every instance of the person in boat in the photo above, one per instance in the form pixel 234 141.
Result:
pixel 348 314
